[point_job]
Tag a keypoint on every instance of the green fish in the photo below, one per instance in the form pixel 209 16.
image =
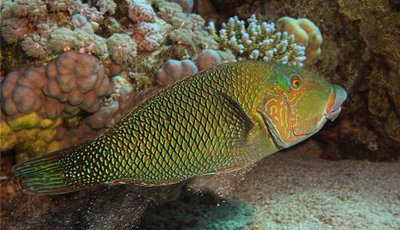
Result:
pixel 217 121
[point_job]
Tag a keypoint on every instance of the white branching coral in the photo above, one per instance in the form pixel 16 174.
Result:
pixel 306 33
pixel 258 41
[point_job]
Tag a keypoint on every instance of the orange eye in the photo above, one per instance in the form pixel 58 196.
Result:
pixel 295 82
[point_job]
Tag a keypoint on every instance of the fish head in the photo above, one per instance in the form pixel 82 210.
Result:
pixel 297 103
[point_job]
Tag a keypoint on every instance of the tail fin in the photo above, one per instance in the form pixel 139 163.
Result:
pixel 45 175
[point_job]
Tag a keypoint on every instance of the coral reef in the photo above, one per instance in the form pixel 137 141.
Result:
pixel 122 48
pixel 79 21
pixel 174 70
pixel 207 59
pixel 34 100
pixel 359 51
pixel 306 33
pixel 57 38
pixel 141 11
pixel 148 36
pixel 258 41
pixel 187 5
pixel 31 134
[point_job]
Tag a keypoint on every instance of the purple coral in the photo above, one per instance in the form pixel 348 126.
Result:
pixel 148 36
pixel 141 11
pixel 77 80
pixel 110 113
pixel 174 70
pixel 21 91
pixel 207 59
pixel 71 83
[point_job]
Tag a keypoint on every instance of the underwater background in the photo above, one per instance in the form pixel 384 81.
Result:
pixel 71 69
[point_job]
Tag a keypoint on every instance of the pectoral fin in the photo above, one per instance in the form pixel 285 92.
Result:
pixel 237 121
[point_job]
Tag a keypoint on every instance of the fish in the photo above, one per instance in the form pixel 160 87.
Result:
pixel 217 121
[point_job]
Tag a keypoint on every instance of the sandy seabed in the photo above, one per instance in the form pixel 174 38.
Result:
pixel 297 190
pixel 289 190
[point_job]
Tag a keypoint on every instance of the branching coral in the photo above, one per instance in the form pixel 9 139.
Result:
pixel 306 33
pixel 258 41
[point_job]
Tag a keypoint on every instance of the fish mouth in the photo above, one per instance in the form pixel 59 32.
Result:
pixel 336 99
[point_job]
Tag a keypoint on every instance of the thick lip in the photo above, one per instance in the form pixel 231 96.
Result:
pixel 333 107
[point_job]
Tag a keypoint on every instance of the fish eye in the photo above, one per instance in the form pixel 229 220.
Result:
pixel 295 81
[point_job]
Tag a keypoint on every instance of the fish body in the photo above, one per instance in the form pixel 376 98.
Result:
pixel 216 121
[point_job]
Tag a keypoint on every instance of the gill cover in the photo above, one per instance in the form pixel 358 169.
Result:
pixel 294 104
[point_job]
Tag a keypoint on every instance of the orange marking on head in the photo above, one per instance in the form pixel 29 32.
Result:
pixel 331 102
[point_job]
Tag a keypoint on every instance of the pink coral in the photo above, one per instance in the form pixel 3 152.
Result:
pixel 141 11
pixel 78 80
pixel 71 83
pixel 207 59
pixel 148 36
pixel 21 91
pixel 174 70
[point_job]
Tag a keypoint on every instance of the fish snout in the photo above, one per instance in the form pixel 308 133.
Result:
pixel 336 99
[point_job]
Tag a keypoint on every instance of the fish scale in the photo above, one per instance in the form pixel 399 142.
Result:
pixel 216 121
